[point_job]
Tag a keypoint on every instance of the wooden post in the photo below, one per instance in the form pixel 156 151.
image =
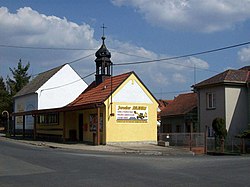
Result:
pixel 23 126
pixel 98 126
pixel 191 138
pixel 205 140
pixel 14 126
pixel 64 124
pixel 34 129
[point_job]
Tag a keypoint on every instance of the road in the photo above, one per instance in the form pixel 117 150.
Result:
pixel 27 165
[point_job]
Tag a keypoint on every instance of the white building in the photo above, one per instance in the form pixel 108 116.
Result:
pixel 51 89
pixel 227 96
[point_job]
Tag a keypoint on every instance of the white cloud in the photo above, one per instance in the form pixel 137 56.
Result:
pixel 244 55
pixel 199 15
pixel 179 78
pixel 28 27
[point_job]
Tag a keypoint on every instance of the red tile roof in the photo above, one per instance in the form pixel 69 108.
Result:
pixel 163 103
pixel 98 94
pixel 229 76
pixel 181 105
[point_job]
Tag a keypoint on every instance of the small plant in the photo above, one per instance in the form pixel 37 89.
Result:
pixel 245 134
pixel 219 127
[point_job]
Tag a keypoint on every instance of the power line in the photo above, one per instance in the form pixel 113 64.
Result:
pixel 157 60
pixel 176 64
pixel 46 48
pixel 82 78
pixel 128 54
pixel 180 91
pixel 71 62
pixel 183 56
pixel 80 58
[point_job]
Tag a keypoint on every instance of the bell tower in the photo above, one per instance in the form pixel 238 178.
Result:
pixel 103 63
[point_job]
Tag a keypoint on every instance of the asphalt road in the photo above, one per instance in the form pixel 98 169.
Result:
pixel 27 165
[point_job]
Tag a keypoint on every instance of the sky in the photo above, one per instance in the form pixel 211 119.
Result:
pixel 49 33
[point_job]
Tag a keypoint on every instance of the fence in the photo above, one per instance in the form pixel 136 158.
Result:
pixel 231 145
pixel 193 141
pixel 198 141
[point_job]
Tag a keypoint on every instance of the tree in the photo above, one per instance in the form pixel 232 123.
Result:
pixel 219 127
pixel 5 99
pixel 20 78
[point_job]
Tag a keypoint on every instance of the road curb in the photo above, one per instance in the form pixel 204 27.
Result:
pixel 139 149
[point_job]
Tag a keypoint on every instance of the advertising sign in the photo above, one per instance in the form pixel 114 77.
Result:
pixel 19 119
pixel 131 114
pixel 93 120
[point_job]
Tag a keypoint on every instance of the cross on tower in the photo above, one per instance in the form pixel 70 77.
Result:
pixel 103 27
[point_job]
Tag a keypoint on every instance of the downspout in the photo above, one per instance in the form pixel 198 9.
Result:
pixel 198 109
pixel 248 104
pixel 111 92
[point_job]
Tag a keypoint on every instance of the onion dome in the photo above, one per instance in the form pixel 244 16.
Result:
pixel 103 51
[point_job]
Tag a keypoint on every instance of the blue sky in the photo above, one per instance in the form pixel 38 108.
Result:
pixel 137 30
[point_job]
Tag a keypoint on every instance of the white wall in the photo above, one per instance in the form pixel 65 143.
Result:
pixel 25 103
pixel 132 93
pixel 208 115
pixel 61 89
pixel 236 109
pixel 231 104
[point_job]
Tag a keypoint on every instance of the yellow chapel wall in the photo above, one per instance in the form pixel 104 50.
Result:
pixel 131 131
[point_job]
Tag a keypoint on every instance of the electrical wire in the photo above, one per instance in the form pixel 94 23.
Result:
pixel 176 64
pixel 128 54
pixel 82 78
pixel 80 58
pixel 46 48
pixel 71 62
pixel 182 56
pixel 156 60
pixel 180 91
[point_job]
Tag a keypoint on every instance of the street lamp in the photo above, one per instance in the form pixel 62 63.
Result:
pixel 8 124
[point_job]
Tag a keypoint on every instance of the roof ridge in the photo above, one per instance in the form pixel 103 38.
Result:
pixel 99 93
pixel 227 76
pixel 182 104
pixel 59 67
pixel 38 81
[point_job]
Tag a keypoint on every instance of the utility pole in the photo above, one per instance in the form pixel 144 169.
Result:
pixel 194 74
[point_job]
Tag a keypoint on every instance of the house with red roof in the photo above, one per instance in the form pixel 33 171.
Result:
pixel 111 109
pixel 162 104
pixel 225 95
pixel 180 115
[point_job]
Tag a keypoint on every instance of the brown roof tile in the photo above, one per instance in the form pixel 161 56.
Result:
pixel 163 103
pixel 181 105
pixel 229 76
pixel 38 81
pixel 98 94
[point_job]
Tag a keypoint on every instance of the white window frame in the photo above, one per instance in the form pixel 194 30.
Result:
pixel 211 100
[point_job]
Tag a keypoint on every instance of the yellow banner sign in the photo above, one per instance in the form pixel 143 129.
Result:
pixel 131 113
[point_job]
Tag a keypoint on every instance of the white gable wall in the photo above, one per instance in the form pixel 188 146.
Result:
pixel 22 104
pixel 61 89
pixel 236 109
pixel 132 93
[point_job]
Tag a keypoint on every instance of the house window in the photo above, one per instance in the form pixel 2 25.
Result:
pixel 167 128
pixel 48 119
pixel 211 101
pixel 178 128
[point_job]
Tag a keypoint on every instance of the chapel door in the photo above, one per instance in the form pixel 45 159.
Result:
pixel 80 127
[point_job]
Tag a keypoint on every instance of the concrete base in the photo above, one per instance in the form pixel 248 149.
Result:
pixel 162 143
pixel 198 150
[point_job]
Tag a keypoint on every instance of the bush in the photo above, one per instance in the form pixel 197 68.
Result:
pixel 219 127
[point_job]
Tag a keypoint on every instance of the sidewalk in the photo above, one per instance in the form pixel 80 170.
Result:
pixel 125 148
